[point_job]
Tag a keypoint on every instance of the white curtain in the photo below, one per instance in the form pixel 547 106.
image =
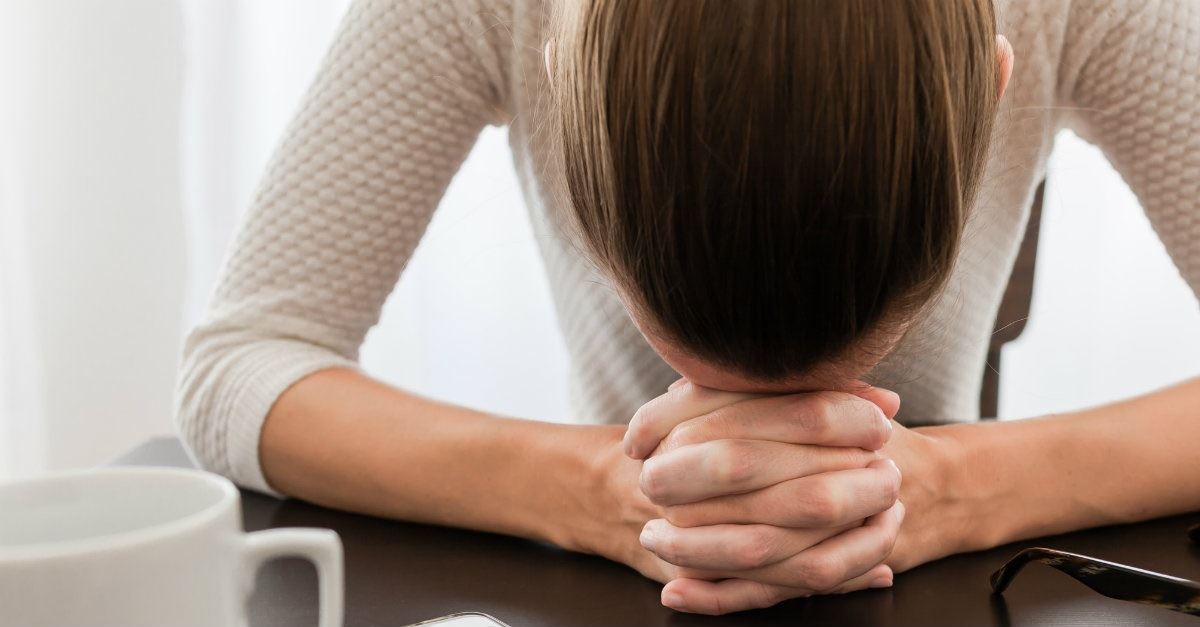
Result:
pixel 247 66
pixel 92 232
pixel 132 136
pixel 133 133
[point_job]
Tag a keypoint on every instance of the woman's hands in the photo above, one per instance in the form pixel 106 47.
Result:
pixel 775 496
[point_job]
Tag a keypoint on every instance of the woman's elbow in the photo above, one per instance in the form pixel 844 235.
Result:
pixel 197 420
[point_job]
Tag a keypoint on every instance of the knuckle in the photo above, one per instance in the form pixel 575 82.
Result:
pixel 891 533
pixel 639 424
pixel 879 433
pixel 892 483
pixel 682 435
pixel 668 546
pixel 812 416
pixel 758 549
pixel 823 573
pixel 870 425
pixel 824 508
pixel 652 481
pixel 892 529
pixel 639 417
pixel 893 487
pixel 734 462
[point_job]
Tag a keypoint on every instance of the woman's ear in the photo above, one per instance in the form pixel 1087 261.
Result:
pixel 548 52
pixel 1005 60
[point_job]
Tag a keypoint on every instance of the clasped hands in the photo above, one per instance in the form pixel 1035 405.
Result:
pixel 754 499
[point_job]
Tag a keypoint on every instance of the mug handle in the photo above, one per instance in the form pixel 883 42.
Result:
pixel 322 547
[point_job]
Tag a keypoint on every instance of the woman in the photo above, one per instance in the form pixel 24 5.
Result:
pixel 776 193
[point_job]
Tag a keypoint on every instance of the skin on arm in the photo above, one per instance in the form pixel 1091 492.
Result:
pixel 1005 481
pixel 341 439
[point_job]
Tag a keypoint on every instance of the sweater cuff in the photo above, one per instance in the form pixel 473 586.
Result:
pixel 265 376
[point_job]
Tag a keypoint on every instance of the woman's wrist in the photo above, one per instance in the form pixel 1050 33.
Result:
pixel 942 511
pixel 947 490
pixel 587 473
pixel 1010 480
pixel 611 508
pixel 983 501
pixel 562 498
pixel 967 483
pixel 605 508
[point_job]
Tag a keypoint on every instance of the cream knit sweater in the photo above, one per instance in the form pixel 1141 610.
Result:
pixel 408 86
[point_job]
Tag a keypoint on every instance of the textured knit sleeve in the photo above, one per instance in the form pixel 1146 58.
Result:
pixel 397 104
pixel 1131 85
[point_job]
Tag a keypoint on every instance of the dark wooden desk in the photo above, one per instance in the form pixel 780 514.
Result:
pixel 398 573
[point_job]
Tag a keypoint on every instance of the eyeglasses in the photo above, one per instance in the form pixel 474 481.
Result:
pixel 1116 581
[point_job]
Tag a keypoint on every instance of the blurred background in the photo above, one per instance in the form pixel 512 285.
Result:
pixel 133 133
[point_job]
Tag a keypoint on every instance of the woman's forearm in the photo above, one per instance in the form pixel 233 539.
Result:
pixel 341 439
pixel 1128 461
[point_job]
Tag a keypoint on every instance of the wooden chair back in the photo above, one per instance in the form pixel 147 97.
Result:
pixel 1014 307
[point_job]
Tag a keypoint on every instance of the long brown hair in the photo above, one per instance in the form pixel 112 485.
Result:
pixel 768 181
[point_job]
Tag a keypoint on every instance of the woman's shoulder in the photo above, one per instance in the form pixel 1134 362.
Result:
pixel 499 40
pixel 507 36
pixel 1067 32
pixel 1036 28
pixel 1055 39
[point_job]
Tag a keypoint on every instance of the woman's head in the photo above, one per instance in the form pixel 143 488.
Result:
pixel 774 186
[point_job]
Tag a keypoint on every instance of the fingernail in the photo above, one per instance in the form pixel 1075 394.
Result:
pixel 882 582
pixel 673 600
pixel 893 464
pixel 887 422
pixel 649 537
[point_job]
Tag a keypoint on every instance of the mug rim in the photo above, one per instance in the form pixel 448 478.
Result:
pixel 121 539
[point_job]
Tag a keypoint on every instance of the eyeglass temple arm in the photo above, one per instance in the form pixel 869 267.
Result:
pixel 1110 579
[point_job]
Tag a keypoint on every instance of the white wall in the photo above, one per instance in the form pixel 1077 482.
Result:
pixel 100 259
pixel 1111 317
pixel 472 321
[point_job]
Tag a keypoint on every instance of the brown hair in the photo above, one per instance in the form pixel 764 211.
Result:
pixel 768 181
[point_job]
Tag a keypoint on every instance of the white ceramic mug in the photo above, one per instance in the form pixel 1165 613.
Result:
pixel 142 547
